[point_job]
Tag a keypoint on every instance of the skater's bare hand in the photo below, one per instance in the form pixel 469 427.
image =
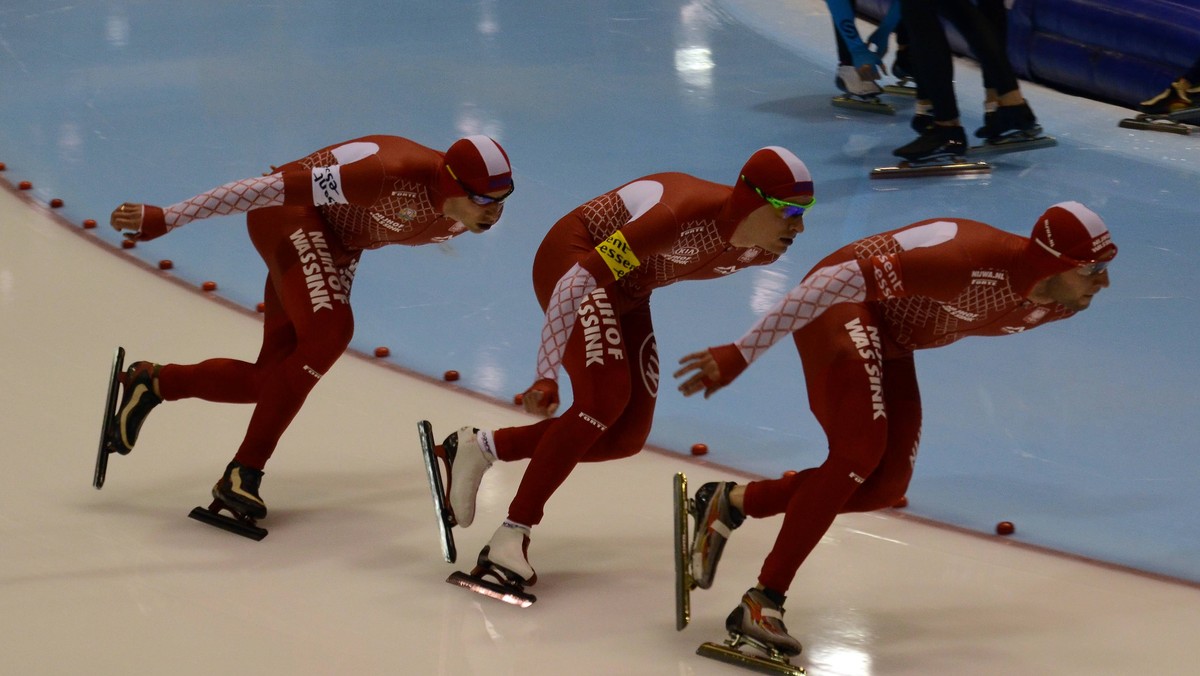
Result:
pixel 127 218
pixel 706 374
pixel 541 397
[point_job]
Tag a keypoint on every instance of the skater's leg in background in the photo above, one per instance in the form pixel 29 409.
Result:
pixel 930 57
pixel 234 381
pixel 626 436
pixel 601 392
pixel 840 397
pixel 902 399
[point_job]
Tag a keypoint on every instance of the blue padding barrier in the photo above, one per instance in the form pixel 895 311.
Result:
pixel 1122 51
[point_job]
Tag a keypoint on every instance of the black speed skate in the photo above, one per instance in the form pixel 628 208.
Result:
pixel 938 151
pixel 1183 121
pixel 905 84
pixel 236 492
pixel 1011 129
pixel 123 417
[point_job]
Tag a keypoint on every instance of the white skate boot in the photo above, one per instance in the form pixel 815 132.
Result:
pixel 860 93
pixel 849 81
pixel 508 554
pixel 502 570
pixel 466 461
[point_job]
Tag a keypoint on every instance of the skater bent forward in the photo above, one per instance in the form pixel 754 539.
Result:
pixel 593 276
pixel 310 221
pixel 856 319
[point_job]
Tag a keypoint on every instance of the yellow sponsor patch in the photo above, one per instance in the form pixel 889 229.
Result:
pixel 617 255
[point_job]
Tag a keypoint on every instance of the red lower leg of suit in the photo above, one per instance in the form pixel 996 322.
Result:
pixel 870 410
pixel 307 326
pixel 609 418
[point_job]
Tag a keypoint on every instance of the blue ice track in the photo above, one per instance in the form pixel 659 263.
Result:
pixel 1082 433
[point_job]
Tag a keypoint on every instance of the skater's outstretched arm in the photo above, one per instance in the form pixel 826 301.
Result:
pixel 716 367
pixel 359 182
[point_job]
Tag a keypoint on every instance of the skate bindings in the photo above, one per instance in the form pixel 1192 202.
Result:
pixel 466 460
pixel 715 518
pixel 138 387
pixel 859 94
pixel 696 559
pixel 139 396
pixel 757 622
pixel 1176 110
pixel 1011 129
pixel 236 492
pixel 939 151
pixel 905 84
pixel 505 561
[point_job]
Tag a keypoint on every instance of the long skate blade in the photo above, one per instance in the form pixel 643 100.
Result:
pixel 241 525
pixel 1013 146
pixel 510 595
pixel 110 410
pixel 764 665
pixel 683 559
pixel 873 106
pixel 1156 124
pixel 437 490
pixel 957 167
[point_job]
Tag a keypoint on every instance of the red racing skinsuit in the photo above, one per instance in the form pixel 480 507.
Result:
pixel 310 221
pixel 593 275
pixel 856 319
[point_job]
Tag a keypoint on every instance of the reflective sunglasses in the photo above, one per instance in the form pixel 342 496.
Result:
pixel 1093 269
pixel 481 200
pixel 788 209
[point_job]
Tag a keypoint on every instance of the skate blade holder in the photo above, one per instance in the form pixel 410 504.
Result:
pixel 1012 145
pixel 960 167
pixel 870 104
pixel 501 592
pixel 773 662
pixel 106 446
pixel 238 523
pixel 1156 123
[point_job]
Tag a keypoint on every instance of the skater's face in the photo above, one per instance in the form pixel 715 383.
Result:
pixel 773 228
pixel 1075 288
pixel 469 211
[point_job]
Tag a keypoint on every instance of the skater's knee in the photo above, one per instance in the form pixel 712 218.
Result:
pixel 323 347
pixel 875 495
pixel 623 444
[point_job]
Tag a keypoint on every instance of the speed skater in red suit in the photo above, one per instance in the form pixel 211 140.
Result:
pixel 593 276
pixel 311 220
pixel 856 319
